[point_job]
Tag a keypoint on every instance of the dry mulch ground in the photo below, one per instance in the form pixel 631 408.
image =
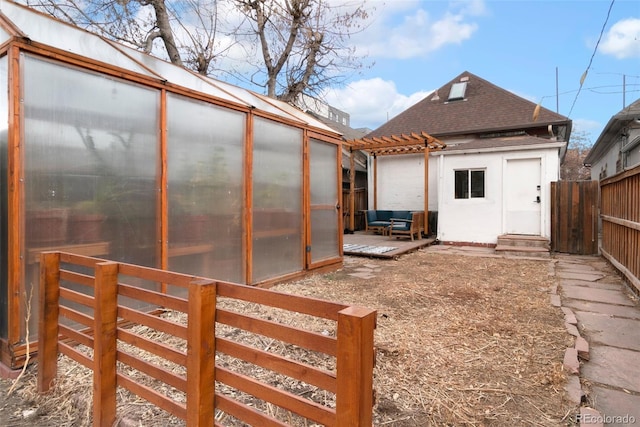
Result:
pixel 460 341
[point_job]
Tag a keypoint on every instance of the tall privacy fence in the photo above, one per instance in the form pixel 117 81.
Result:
pixel 620 215
pixel 222 348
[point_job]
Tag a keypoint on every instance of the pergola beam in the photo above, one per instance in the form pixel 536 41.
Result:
pixel 413 143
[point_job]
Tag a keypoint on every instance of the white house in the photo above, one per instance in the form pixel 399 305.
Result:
pixel 493 177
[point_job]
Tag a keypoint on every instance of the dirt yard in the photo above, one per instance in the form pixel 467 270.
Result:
pixel 460 341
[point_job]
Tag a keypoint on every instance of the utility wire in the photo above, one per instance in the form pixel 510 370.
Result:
pixel 584 76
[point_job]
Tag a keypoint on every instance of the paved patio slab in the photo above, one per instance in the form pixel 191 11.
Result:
pixel 598 285
pixel 608 330
pixel 576 268
pixel 615 405
pixel 598 295
pixel 598 307
pixel 587 276
pixel 615 367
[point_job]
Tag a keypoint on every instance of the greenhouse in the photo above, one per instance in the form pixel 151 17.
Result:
pixel 111 153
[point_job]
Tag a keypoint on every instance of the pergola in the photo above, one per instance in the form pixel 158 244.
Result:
pixel 412 143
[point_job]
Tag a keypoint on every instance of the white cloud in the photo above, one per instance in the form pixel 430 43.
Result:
pixel 404 30
pixel 372 102
pixel 623 39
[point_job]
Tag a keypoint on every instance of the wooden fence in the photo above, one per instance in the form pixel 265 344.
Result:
pixel 93 311
pixel 574 217
pixel 620 215
pixel 360 203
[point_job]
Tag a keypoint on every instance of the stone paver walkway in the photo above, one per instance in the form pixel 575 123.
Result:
pixel 606 315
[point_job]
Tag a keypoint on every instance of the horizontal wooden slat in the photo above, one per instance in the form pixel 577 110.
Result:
pixel 86 261
pixel 157 275
pixel 74 354
pixel 153 322
pixel 161 401
pixel 624 222
pixel 246 413
pixel 305 305
pixel 76 336
pixel 303 407
pixel 164 375
pixel 153 297
pixel 76 316
pixel 288 334
pixel 77 297
pixel 326 380
pixel 154 347
pixel 79 278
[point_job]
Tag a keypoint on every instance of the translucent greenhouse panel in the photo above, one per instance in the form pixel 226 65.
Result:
pixel 323 161
pixel 205 172
pixel 90 166
pixel 324 236
pixel 277 200
pixel 40 28
pixel 4 197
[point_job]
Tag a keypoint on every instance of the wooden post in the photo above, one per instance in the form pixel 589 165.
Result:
pixel 162 204
pixel 49 310
pixel 105 345
pixel 247 203
pixel 355 361
pixel 375 182
pixel 426 189
pixel 352 190
pixel 201 353
pixel 15 206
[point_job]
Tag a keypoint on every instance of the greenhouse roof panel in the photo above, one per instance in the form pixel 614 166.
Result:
pixel 307 118
pixel 39 28
pixel 178 75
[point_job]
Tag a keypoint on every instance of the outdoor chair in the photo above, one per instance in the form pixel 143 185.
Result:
pixel 407 226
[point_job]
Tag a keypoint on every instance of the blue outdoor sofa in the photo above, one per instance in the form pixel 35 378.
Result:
pixel 396 223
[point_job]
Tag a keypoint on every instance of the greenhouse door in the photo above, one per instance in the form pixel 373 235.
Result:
pixel 324 168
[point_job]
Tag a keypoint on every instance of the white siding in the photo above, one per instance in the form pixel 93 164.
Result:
pixel 401 182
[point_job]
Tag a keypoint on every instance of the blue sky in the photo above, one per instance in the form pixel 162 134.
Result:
pixel 418 46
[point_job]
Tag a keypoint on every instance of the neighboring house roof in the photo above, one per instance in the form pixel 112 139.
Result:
pixel 482 108
pixel 346 131
pixel 481 144
pixel 611 133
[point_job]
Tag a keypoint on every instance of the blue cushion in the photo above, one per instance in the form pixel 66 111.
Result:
pixel 384 215
pixel 401 214
pixel 371 217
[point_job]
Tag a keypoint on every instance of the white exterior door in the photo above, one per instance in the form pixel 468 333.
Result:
pixel 522 193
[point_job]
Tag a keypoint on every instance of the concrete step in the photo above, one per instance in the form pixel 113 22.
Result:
pixel 521 240
pixel 527 251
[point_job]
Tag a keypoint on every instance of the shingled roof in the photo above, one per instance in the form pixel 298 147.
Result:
pixel 483 108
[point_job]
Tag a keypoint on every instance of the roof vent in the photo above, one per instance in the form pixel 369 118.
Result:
pixel 464 79
pixel 435 96
pixel 457 91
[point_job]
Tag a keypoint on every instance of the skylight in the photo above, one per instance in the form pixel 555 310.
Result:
pixel 457 91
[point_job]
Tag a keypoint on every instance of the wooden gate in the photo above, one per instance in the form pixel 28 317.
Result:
pixel 574 217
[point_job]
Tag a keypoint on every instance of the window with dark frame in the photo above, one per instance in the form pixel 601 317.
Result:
pixel 469 183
